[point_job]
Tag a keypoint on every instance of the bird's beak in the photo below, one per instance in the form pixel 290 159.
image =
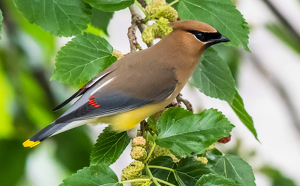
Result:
pixel 219 40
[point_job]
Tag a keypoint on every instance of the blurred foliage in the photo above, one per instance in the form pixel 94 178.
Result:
pixel 282 33
pixel 27 98
pixel 277 177
pixel 12 161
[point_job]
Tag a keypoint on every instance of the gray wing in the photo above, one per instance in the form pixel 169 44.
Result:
pixel 109 101
pixel 82 90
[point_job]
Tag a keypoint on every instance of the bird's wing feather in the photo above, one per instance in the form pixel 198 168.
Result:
pixel 108 101
pixel 82 90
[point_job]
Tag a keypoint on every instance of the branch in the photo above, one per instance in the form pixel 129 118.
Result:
pixel 143 3
pixel 131 33
pixel 185 102
pixel 287 100
pixel 283 20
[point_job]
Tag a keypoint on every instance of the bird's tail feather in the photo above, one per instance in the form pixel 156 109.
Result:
pixel 44 134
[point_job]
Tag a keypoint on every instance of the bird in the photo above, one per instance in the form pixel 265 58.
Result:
pixel 138 85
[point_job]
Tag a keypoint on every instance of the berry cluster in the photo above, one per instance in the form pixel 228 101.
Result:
pixel 162 13
pixel 117 54
pixel 138 151
pixel 159 8
pixel 134 170
pixel 160 151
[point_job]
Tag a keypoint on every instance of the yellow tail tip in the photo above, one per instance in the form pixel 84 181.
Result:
pixel 31 144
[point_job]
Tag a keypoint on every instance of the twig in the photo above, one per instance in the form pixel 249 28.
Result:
pixel 142 125
pixel 131 33
pixel 185 102
pixel 292 110
pixel 283 20
pixel 138 21
pixel 143 3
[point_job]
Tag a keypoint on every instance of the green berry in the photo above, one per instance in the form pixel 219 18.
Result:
pixel 148 35
pixel 161 6
pixel 117 54
pixel 139 141
pixel 134 170
pixel 202 159
pixel 138 153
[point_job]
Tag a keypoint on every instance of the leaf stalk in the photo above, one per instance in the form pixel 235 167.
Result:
pixel 135 180
pixel 152 178
pixel 150 153
pixel 160 167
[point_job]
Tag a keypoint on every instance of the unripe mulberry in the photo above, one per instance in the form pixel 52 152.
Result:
pixel 139 141
pixel 117 54
pixel 142 183
pixel 138 153
pixel 156 6
pixel 158 29
pixel 134 170
pixel 148 34
pixel 211 147
pixel 202 159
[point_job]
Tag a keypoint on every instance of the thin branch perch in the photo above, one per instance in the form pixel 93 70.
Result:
pixel 185 102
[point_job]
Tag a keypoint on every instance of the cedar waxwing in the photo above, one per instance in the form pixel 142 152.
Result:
pixel 138 85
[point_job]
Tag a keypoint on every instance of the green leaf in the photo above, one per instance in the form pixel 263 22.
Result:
pixel 100 175
pixel 101 19
pixel 110 145
pixel 212 77
pixel 1 19
pixel 110 5
pixel 231 166
pixel 61 18
pixel 82 59
pixel 190 170
pixel 216 180
pixel 238 106
pixel 232 56
pixel 174 5
pixel 186 133
pixel 163 161
pixel 151 121
pixel 221 14
pixel 74 152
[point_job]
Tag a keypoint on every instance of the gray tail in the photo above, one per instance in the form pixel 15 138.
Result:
pixel 44 134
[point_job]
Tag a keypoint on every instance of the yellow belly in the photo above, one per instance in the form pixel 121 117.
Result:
pixel 130 119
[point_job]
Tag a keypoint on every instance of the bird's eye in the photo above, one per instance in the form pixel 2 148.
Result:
pixel 199 36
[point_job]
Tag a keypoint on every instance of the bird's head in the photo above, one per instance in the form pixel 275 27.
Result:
pixel 196 35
